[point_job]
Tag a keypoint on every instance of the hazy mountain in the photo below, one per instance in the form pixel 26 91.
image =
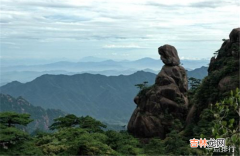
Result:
pixel 68 66
pixel 92 59
pixel 108 99
pixel 108 67
pixel 88 94
pixel 42 118
pixel 25 76
pixel 199 73
pixel 154 64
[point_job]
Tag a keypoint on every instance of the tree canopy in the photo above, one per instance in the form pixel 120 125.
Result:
pixel 10 119
pixel 74 135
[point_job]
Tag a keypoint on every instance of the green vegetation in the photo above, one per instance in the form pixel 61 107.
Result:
pixel 215 110
pixel 10 119
pixel 81 136
pixel 144 88
pixel 13 139
pixel 84 136
pixel 225 66
pixel 74 135
pixel 221 121
pixel 42 118
pixel 194 83
pixel 64 122
pixel 226 119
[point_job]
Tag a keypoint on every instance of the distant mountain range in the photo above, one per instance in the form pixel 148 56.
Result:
pixel 42 118
pixel 93 65
pixel 92 59
pixel 107 98
pixel 103 65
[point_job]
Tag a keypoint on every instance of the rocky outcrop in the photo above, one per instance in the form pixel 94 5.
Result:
pixel 223 76
pixel 226 83
pixel 161 105
pixel 227 59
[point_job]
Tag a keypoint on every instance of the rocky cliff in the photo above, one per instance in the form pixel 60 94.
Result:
pixel 163 106
pixel 223 76
pixel 227 61
pixel 223 72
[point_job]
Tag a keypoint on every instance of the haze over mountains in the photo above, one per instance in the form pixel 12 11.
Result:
pixel 94 65
pixel 106 98
pixel 94 86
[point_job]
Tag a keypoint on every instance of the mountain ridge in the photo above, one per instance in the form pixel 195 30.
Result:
pixel 83 94
pixel 143 61
pixel 26 76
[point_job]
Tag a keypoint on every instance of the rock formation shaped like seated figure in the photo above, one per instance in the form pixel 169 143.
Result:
pixel 235 35
pixel 169 55
pixel 160 106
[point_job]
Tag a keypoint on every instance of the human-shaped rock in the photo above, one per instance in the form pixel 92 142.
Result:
pixel 160 105
pixel 169 55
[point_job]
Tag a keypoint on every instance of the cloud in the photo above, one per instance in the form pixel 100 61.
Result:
pixel 48 3
pixel 163 5
pixel 113 24
pixel 8 43
pixel 197 4
pixel 193 58
pixel 129 46
pixel 213 4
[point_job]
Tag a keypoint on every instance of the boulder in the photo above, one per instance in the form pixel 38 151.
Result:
pixel 147 125
pixel 227 83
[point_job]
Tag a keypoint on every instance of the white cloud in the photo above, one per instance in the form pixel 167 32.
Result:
pixel 193 58
pixel 115 23
pixel 9 43
pixel 112 46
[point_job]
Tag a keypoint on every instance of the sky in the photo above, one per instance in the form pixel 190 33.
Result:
pixel 113 29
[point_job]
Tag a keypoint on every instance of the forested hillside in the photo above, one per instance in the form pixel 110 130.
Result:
pixel 42 118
